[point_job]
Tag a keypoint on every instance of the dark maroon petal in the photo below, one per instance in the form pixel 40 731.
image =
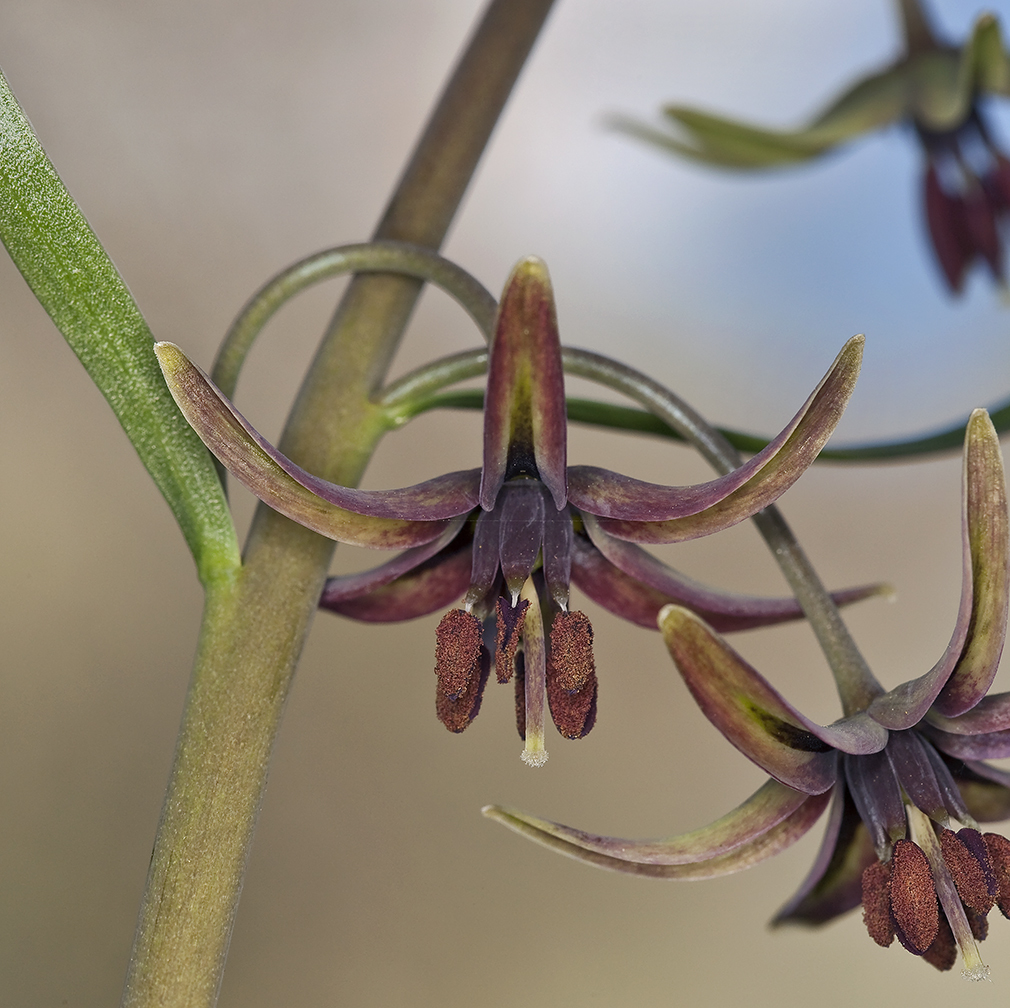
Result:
pixel 524 412
pixel 991 713
pixel 990 773
pixel 997 183
pixel 950 791
pixel 521 531
pixel 558 536
pixel 965 671
pixel 742 705
pixel 632 600
pixel 914 771
pixel 994 745
pixel 834 884
pixel 659 584
pixel 647 512
pixel 984 789
pixel 445 496
pixel 980 219
pixel 765 845
pixel 486 560
pixel 878 798
pixel 752 714
pixel 769 807
pixel 352 586
pixel 948 229
pixel 428 587
pixel 377 519
pixel 988 546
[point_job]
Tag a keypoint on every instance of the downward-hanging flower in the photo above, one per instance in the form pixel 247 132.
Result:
pixel 935 87
pixel 511 536
pixel 903 768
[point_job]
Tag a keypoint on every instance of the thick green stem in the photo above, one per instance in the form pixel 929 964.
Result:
pixel 256 626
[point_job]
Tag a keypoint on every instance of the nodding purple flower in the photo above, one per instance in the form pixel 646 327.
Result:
pixel 511 537
pixel 966 190
pixel 936 88
pixel 903 771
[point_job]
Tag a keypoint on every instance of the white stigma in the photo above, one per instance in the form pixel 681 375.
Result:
pixel 977 973
pixel 534 757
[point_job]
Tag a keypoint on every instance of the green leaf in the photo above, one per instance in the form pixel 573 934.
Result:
pixel 70 273
pixel 626 418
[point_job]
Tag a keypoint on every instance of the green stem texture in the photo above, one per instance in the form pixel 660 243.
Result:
pixel 254 633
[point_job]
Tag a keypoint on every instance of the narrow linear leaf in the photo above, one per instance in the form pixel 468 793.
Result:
pixel 628 418
pixel 73 278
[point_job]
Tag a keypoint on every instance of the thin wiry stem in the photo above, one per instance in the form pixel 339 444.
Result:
pixel 369 257
pixel 856 684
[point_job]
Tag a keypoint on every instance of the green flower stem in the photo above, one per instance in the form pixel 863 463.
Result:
pixel 413 394
pixel 372 257
pixel 856 684
pixel 254 633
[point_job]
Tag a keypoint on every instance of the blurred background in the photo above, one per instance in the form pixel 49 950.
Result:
pixel 211 143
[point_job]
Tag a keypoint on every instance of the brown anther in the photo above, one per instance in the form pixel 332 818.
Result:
pixel 967 873
pixel 877 902
pixel 975 842
pixel 943 952
pixel 570 662
pixel 913 898
pixel 458 642
pixel 999 854
pixel 456 712
pixel 573 711
pixel 978 923
pixel 520 667
pixel 510 628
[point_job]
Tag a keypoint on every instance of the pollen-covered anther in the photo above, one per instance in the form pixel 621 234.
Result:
pixel 999 855
pixel 942 954
pixel 978 923
pixel 457 652
pixel 571 656
pixel 968 875
pixel 462 665
pixel 571 675
pixel 975 842
pixel 510 623
pixel 913 898
pixel 877 902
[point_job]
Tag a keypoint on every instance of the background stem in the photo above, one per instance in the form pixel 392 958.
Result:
pixel 255 626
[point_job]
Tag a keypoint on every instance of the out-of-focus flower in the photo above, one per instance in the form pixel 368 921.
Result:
pixel 937 88
pixel 903 767
pixel 511 536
